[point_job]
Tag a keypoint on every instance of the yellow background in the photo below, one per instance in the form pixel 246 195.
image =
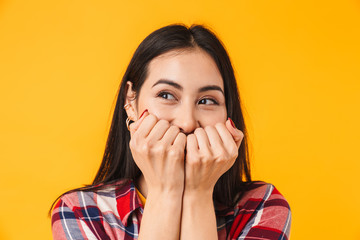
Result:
pixel 298 67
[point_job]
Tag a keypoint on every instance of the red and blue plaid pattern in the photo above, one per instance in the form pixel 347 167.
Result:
pixel 115 212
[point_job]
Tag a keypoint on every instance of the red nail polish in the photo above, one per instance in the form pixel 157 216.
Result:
pixel 143 113
pixel 232 123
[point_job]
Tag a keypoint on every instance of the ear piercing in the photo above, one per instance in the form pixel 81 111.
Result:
pixel 128 123
pixel 126 106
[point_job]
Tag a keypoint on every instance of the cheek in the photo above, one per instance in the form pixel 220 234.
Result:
pixel 160 111
pixel 147 102
pixel 211 118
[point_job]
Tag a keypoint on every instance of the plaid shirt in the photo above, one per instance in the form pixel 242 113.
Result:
pixel 115 212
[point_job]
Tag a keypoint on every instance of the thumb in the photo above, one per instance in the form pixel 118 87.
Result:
pixel 135 125
pixel 237 134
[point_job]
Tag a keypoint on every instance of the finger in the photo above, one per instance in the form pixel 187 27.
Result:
pixel 202 139
pixel 158 131
pixel 225 136
pixel 135 125
pixel 237 134
pixel 170 135
pixel 191 144
pixel 213 136
pixel 147 124
pixel 180 140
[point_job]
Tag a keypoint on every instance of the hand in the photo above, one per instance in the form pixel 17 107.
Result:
pixel 211 151
pixel 158 150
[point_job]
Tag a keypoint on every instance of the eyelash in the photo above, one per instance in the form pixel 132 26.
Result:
pixel 211 99
pixel 161 94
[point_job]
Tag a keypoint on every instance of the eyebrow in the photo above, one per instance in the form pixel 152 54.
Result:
pixel 169 82
pixel 177 86
pixel 211 87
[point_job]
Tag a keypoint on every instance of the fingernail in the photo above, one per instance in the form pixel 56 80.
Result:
pixel 232 123
pixel 143 113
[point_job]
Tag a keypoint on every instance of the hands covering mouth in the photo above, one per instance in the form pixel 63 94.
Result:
pixel 175 162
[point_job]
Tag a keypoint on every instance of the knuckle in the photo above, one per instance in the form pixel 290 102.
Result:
pixel 205 160
pixel 131 127
pixel 193 161
pixel 182 136
pixel 164 123
pixel 152 118
pixel 235 152
pixel 221 161
pixel 174 152
pixel 145 148
pixel 192 157
pixel 221 155
pixel 198 130
pixel 207 128
pixel 241 134
pixel 148 143
pixel 219 124
pixel 159 149
pixel 174 128
pixel 132 143
pixel 191 136
pixel 205 157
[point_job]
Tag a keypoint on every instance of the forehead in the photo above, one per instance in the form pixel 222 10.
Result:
pixel 187 67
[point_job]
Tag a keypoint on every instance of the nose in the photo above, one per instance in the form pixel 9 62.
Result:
pixel 186 120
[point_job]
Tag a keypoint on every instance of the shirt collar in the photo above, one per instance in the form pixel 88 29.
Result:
pixel 127 201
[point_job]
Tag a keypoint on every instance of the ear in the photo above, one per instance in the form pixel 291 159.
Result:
pixel 130 102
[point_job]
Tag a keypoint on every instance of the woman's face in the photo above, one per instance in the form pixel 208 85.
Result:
pixel 184 88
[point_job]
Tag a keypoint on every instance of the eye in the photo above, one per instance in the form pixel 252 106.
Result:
pixel 208 101
pixel 166 95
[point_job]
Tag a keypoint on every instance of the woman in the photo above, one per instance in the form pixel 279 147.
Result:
pixel 176 158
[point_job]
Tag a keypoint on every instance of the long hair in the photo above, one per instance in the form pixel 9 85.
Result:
pixel 118 163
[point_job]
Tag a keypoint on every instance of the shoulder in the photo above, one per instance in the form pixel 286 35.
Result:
pixel 95 196
pixel 261 192
pixel 262 211
pixel 80 214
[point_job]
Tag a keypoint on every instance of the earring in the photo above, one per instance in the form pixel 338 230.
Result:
pixel 126 106
pixel 128 123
